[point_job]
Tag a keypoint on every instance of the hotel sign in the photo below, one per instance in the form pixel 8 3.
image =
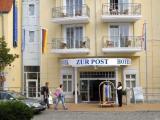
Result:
pixel 95 62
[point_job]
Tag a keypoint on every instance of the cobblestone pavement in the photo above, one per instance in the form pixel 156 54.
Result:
pixel 68 115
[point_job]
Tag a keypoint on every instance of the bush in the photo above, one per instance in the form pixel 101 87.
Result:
pixel 15 110
pixel 124 92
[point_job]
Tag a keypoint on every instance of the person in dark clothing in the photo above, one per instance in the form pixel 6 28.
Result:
pixel 46 94
pixel 119 93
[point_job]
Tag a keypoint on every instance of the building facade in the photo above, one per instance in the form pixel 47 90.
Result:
pixel 89 42
pixel 81 31
pixel 10 30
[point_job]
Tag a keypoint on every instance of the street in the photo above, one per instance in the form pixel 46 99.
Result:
pixel 67 115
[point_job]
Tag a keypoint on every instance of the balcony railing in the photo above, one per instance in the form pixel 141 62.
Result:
pixel 121 9
pixel 71 43
pixel 122 42
pixel 70 11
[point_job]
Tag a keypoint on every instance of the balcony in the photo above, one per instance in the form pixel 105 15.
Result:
pixel 71 14
pixel 70 46
pixel 122 44
pixel 121 12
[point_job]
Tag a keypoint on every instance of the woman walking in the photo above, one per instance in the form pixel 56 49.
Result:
pixel 60 97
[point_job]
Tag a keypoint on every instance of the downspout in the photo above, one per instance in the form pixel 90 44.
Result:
pixel 95 29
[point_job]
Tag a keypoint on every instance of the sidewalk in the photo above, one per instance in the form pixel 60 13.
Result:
pixel 96 108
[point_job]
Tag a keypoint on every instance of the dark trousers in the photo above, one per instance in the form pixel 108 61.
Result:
pixel 119 98
pixel 46 102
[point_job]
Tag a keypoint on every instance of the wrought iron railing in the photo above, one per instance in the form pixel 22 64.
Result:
pixel 122 41
pixel 71 11
pixel 121 9
pixel 70 43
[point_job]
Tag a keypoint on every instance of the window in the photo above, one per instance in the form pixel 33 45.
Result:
pixel 74 36
pixel 130 80
pixel 119 34
pixel 74 7
pixel 31 36
pixel 67 83
pixel 31 9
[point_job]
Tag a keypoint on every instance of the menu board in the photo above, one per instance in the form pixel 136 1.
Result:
pixel 138 94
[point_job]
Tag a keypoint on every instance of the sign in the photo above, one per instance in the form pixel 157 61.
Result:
pixel 96 62
pixel 138 94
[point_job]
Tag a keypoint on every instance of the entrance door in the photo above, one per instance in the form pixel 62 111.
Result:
pixel 94 90
pixel 32 88
pixel 84 90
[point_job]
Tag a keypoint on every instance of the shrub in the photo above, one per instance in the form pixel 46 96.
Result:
pixel 15 110
pixel 124 92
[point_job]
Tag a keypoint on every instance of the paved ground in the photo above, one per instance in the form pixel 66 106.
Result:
pixel 94 112
pixel 67 115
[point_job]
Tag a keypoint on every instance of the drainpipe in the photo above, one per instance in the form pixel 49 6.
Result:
pixel 95 29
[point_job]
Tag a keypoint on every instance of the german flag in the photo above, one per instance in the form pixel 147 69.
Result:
pixel 44 40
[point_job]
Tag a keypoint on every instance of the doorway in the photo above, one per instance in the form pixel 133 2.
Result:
pixel 94 90
pixel 32 88
pixel 89 90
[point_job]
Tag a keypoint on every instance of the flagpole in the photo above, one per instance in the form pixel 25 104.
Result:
pixel 145 48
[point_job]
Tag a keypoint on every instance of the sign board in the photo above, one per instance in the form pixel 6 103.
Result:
pixel 138 94
pixel 95 61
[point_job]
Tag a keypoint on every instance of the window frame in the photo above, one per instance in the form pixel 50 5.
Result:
pixel 29 8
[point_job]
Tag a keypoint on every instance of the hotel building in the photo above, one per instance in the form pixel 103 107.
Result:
pixel 87 42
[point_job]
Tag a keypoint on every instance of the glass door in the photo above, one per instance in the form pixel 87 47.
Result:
pixel 119 34
pixel 74 7
pixel 74 35
pixel 130 84
pixel 78 7
pixel 123 6
pixel 124 34
pixel 114 35
pixel 32 88
pixel 84 90
pixel 70 7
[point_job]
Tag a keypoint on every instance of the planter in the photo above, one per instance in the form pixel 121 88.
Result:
pixel 124 99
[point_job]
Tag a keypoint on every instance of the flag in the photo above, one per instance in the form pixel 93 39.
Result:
pixel 44 40
pixel 144 35
pixel 15 24
pixel 23 40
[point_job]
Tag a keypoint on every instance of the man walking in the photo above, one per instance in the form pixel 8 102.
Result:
pixel 46 94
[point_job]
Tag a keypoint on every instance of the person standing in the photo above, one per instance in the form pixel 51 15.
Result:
pixel 119 92
pixel 60 97
pixel 46 94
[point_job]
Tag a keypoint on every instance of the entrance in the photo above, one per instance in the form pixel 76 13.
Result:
pixel 94 90
pixel 32 88
pixel 89 90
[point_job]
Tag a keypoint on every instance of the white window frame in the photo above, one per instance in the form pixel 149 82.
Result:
pixel 64 4
pixel 130 71
pixel 67 71
pixel 121 24
pixel 33 39
pixel 65 30
pixel 34 8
